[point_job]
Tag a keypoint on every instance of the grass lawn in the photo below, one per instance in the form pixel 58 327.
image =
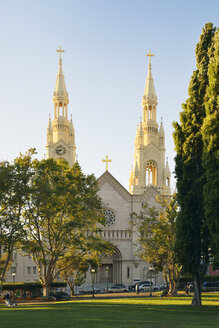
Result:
pixel 115 313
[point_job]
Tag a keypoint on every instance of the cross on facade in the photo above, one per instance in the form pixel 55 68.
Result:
pixel 60 51
pixel 150 55
pixel 106 161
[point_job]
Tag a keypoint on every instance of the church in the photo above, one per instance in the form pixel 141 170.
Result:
pixel 149 177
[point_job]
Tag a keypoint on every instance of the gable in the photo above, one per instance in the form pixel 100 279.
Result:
pixel 112 184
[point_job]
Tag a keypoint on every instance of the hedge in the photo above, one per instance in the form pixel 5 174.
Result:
pixel 30 285
pixel 206 278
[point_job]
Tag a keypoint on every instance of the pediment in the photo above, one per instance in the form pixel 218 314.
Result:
pixel 109 178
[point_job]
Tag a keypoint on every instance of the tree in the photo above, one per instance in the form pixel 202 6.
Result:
pixel 63 207
pixel 75 264
pixel 156 228
pixel 192 233
pixel 210 159
pixel 14 192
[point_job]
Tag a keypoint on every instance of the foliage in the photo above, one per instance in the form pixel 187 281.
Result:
pixel 192 233
pixel 14 192
pixel 206 278
pixel 63 206
pixel 156 228
pixel 75 263
pixel 210 134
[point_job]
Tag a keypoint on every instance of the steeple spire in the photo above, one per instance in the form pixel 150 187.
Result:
pixel 149 91
pixel 60 95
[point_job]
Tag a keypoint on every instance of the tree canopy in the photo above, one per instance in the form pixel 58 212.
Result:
pixel 210 160
pixel 50 211
pixel 192 242
pixel 61 215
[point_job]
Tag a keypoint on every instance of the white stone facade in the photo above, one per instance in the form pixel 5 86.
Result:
pixel 122 234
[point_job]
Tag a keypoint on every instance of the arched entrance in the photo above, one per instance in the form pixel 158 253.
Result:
pixel 112 264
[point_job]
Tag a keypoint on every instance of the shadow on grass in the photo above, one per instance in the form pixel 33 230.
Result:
pixel 103 314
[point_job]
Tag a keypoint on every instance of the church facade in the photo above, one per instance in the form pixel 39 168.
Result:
pixel 149 177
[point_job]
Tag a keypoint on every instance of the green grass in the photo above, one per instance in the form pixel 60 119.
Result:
pixel 115 313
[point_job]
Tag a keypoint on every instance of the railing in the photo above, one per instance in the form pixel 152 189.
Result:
pixel 116 234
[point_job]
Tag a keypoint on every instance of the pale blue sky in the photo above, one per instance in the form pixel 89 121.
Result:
pixel 105 70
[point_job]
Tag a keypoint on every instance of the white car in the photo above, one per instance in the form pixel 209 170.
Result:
pixel 146 288
pixel 118 288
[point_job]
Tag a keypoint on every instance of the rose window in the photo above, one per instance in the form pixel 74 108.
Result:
pixel 109 217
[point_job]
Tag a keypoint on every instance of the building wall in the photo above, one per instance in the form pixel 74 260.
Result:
pixel 25 269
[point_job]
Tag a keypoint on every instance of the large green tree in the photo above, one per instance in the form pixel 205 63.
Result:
pixel 157 234
pixel 62 215
pixel 210 133
pixel 14 191
pixel 192 242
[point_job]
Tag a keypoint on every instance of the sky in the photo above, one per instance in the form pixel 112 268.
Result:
pixel 105 68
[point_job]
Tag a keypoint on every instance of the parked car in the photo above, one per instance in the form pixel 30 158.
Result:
pixel 89 290
pixel 146 288
pixel 145 282
pixel 118 288
pixel 133 287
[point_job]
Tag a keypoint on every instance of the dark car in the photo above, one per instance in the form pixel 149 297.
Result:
pixel 132 287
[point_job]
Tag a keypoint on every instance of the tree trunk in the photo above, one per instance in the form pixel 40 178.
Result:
pixel 197 301
pixel 46 288
pixel 172 287
pixel 72 290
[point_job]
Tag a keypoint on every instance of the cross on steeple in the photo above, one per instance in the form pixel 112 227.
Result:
pixel 106 161
pixel 60 52
pixel 150 55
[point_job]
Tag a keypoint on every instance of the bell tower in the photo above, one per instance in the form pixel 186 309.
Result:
pixel 60 131
pixel 149 155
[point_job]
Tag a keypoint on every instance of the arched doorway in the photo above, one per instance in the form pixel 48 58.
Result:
pixel 112 264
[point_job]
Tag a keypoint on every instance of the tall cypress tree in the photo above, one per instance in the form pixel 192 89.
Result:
pixel 191 231
pixel 210 133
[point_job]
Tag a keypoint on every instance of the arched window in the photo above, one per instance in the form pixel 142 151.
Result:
pixel 167 182
pixel 151 173
pixel 150 113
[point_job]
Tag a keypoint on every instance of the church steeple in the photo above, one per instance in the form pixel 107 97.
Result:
pixel 149 151
pixel 60 132
pixel 149 97
pixel 60 95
